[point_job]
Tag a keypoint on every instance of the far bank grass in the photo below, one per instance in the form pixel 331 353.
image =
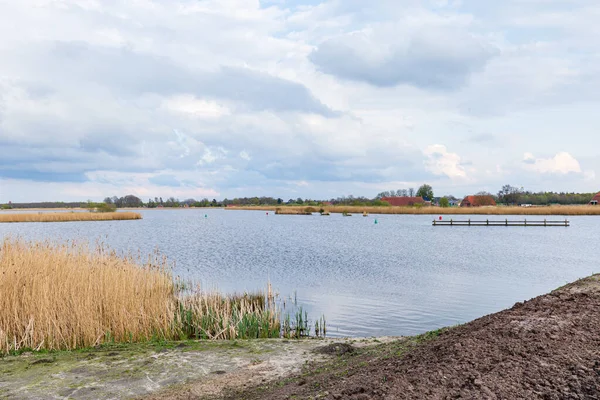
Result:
pixel 499 210
pixel 68 216
pixel 68 296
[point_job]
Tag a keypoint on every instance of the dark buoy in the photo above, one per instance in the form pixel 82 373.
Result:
pixel 376 221
pixel 267 213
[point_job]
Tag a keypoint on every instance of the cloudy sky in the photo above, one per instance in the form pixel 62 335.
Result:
pixel 296 98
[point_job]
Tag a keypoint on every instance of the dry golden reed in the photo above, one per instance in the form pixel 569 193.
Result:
pixel 545 210
pixel 68 296
pixel 68 216
pixel 65 296
pixel 295 211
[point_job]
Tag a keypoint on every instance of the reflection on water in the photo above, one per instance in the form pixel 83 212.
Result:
pixel 400 276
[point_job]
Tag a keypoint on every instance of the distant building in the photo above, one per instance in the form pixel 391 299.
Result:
pixel 478 201
pixel 451 202
pixel 404 201
pixel 596 200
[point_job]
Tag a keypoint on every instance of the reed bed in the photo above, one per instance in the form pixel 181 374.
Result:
pixel 70 295
pixel 67 296
pixel 68 216
pixel 295 211
pixel 215 316
pixel 498 210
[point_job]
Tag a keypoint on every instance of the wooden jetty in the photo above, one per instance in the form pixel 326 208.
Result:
pixel 505 222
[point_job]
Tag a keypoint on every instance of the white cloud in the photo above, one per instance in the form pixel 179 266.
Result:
pixel 562 163
pixel 200 108
pixel 441 162
pixel 212 154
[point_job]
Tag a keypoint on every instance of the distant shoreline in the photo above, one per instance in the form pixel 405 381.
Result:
pixel 430 210
pixel 565 210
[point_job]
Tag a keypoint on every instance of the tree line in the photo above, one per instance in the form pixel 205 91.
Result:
pixel 45 204
pixel 425 191
pixel 507 195
pixel 512 195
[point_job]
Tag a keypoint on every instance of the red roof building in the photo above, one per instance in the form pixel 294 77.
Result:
pixel 478 201
pixel 403 201
pixel 596 200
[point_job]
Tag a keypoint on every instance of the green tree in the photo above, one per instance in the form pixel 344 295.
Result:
pixel 444 202
pixel 425 191
pixel 510 194
pixel 105 207
pixel 90 205
pixel 130 201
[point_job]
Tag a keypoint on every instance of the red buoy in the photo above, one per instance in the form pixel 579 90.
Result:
pixel 440 217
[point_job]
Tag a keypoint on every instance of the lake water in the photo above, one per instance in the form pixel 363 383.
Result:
pixel 400 276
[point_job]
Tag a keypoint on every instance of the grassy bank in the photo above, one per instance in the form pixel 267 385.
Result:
pixel 68 216
pixel 68 296
pixel 546 210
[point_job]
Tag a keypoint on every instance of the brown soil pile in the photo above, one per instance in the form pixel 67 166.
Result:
pixel 546 348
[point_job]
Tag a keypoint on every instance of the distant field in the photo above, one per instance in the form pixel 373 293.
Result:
pixel 545 210
pixel 67 216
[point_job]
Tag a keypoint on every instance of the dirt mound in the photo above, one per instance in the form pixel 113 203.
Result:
pixel 546 348
pixel 337 349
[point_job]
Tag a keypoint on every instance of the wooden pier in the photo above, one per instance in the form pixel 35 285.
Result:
pixel 505 222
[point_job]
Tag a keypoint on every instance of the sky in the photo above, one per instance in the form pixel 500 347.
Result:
pixel 296 98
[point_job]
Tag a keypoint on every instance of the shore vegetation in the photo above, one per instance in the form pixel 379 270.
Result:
pixel 64 296
pixel 68 216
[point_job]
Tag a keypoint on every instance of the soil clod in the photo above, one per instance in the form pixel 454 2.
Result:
pixel 337 349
